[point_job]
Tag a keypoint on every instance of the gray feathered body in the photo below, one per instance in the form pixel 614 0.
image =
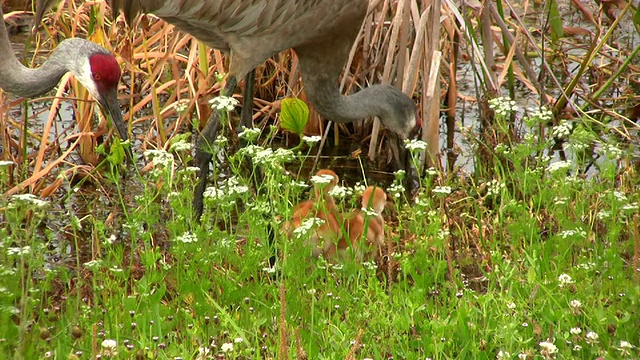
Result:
pixel 320 31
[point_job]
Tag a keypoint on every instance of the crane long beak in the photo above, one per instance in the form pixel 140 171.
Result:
pixel 109 103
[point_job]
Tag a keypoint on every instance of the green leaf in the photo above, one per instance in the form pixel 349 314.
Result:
pixel 555 20
pixel 294 115
pixel 117 154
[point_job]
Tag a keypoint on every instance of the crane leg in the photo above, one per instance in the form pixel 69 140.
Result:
pixel 246 115
pixel 204 148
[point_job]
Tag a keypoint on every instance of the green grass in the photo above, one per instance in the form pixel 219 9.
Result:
pixel 480 266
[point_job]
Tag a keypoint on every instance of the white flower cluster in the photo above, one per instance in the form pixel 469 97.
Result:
pixel 160 158
pixel 573 233
pixel 323 179
pixel 559 166
pixel 19 251
pixel 415 145
pixel 503 106
pixel 180 146
pixel 564 279
pixel 502 149
pixel 181 106
pixel 311 140
pixel 548 349
pixel 610 151
pixel 562 130
pixel 227 192
pixel 306 227
pixel 495 187
pixel 341 192
pixel 266 156
pixel 223 103
pixel 250 135
pixel 539 116
pixel 442 190
pixel 187 238
pixel 26 199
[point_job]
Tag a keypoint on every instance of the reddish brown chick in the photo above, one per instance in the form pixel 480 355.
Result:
pixel 321 206
pixel 365 227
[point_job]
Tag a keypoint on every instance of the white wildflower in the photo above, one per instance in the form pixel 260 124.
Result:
pixel 311 140
pixel 538 116
pixel 620 196
pixel 249 134
pixel 603 214
pixel 111 240
pixel 548 349
pixel 180 146
pixel 27 199
pixel 220 141
pixel 109 347
pixel 573 233
pixel 159 157
pixel 181 106
pixel 227 347
pixel 369 212
pixel 592 338
pixel 495 187
pixel 564 279
pixel 187 238
pixel 93 264
pixel 19 251
pixel 625 348
pixel 415 145
pixel 559 166
pixel 503 106
pixel 323 179
pixel 203 353
pixel 306 226
pixel 561 130
pixel 223 103
pixel 370 265
pixel 441 190
pixel 575 331
pixel 340 192
pixel 575 304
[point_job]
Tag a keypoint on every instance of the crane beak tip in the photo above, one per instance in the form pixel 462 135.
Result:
pixel 109 102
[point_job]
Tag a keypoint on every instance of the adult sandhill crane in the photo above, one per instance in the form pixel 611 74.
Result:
pixel 250 31
pixel 95 68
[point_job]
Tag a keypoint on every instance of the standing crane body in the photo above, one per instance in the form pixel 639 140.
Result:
pixel 321 32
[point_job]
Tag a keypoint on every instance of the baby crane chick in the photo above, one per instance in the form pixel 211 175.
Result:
pixel 323 207
pixel 370 217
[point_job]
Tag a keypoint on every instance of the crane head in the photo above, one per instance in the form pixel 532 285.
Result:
pixel 101 78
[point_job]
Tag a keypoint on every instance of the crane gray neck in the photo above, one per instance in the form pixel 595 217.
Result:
pixel 70 55
pixel 396 111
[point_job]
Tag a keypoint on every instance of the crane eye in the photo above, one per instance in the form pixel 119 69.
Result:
pixel 97 77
